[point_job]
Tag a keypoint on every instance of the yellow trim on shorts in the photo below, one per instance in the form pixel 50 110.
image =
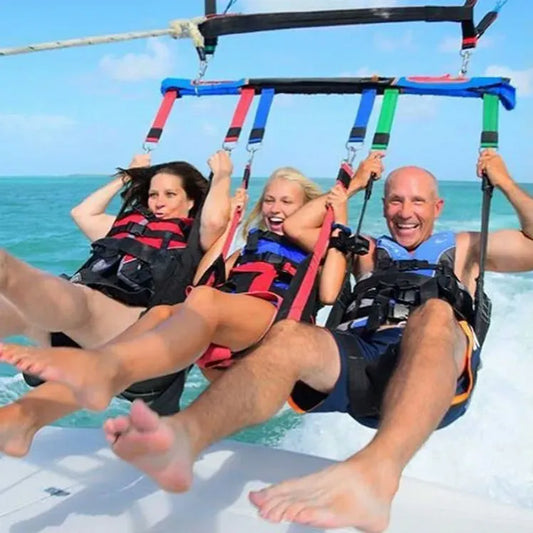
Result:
pixel 295 407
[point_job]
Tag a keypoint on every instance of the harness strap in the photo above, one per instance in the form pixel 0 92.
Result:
pixel 140 230
pixel 380 142
pixel 213 275
pixel 366 104
pixel 239 116
pixel 261 116
pixel 268 268
pixel 489 139
pixel 468 28
pixel 155 132
pixel 255 139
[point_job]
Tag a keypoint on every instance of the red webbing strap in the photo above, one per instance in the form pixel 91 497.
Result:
pixel 247 95
pixel 162 115
pixel 234 131
pixel 300 300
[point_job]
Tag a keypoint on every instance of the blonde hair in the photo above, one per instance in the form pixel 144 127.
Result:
pixel 311 190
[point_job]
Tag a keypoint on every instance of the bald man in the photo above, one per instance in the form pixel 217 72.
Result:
pixel 404 357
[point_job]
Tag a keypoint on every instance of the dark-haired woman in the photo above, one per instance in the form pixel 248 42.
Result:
pixel 92 312
pixel 92 315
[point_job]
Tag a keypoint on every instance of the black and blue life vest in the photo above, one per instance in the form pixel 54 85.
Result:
pixel 143 260
pixel 403 280
pixel 268 262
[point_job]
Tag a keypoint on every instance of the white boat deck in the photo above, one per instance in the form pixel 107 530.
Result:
pixel 72 482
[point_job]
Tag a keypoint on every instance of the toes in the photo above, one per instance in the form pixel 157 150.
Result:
pixel 258 497
pixel 275 510
pixel 292 511
pixel 315 516
pixel 116 426
pixel 272 509
pixel 31 367
pixel 143 418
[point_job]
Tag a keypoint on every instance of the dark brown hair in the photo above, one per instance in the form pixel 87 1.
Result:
pixel 194 184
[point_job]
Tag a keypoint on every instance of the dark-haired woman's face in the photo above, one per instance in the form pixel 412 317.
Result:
pixel 167 198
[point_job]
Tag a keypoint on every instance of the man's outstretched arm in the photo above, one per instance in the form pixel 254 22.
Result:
pixel 507 250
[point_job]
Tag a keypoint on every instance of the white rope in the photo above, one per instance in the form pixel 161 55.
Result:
pixel 179 29
pixel 188 28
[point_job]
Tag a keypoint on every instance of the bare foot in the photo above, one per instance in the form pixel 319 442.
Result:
pixel 351 493
pixel 88 374
pixel 16 433
pixel 157 446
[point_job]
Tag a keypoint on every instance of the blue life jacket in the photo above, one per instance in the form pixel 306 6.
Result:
pixel 268 262
pixel 438 249
pixel 403 280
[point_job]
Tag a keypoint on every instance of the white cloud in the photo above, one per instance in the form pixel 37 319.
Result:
pixel 210 130
pixel 363 72
pixel 263 6
pixel 452 44
pixel 38 123
pixel 285 100
pixel 201 105
pixel 415 108
pixel 521 79
pixel 156 63
pixel 387 44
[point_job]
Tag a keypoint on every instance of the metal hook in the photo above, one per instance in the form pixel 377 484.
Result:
pixel 202 68
pixel 252 149
pixel 466 55
pixel 351 152
pixel 147 147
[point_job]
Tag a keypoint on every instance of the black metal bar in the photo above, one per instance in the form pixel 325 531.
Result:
pixel 234 24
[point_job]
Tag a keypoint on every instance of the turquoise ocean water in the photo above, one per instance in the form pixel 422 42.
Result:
pixel 488 452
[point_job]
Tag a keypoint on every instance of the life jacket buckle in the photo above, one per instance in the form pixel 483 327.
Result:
pixel 359 245
pixel 135 229
pixel 399 311
pixel 404 265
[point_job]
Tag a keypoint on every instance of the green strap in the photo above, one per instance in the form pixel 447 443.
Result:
pixel 489 135
pixel 489 139
pixel 386 117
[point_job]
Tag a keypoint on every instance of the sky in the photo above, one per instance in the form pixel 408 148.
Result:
pixel 87 110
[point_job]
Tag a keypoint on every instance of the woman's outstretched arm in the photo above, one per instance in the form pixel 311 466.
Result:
pixel 90 215
pixel 216 210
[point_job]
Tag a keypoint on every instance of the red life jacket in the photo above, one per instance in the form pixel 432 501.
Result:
pixel 268 262
pixel 139 256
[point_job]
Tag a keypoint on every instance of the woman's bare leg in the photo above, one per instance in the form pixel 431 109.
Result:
pixel 45 404
pixel 51 303
pixel 20 420
pixel 12 323
pixel 149 320
pixel 208 316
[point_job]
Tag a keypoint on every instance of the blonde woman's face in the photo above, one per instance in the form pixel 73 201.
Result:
pixel 281 199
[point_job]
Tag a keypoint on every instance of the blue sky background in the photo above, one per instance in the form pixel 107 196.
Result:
pixel 87 110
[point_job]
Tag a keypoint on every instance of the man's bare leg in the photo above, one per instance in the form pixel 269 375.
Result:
pixel 357 492
pixel 96 376
pixel 261 383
